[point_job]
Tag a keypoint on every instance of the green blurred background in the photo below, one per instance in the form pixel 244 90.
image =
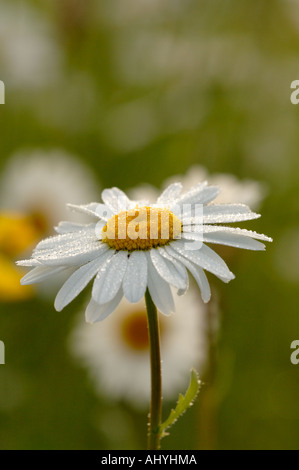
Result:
pixel 141 90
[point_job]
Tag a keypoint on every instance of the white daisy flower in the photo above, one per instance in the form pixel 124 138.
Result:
pixel 121 344
pixel 170 239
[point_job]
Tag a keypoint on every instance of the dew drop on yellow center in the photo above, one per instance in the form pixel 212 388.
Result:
pixel 141 228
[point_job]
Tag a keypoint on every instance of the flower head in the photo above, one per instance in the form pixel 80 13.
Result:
pixel 133 246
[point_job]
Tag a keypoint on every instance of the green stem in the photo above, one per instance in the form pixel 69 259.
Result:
pixel 156 383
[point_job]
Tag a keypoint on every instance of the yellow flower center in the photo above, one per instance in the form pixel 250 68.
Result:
pixel 141 228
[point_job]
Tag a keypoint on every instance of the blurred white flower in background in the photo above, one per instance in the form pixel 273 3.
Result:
pixel 34 190
pixel 29 55
pixel 116 355
pixel 249 192
pixel 42 182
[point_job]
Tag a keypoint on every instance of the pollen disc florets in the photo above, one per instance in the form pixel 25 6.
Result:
pixel 141 228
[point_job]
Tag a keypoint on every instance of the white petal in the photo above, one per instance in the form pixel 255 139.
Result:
pixel 198 274
pixel 170 193
pixel 221 213
pixel 65 239
pixel 73 255
pixel 232 239
pixel 167 270
pixel 204 257
pixel 90 209
pixel 222 228
pixel 159 290
pixel 116 200
pixel 199 194
pixel 239 238
pixel 201 279
pixel 179 267
pixel 99 229
pixel 28 263
pixel 104 212
pixel 227 213
pixel 40 273
pixel 77 282
pixel 110 277
pixel 96 312
pixel 66 227
pixel 135 278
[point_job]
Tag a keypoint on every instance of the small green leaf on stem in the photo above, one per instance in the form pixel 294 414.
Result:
pixel 184 402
